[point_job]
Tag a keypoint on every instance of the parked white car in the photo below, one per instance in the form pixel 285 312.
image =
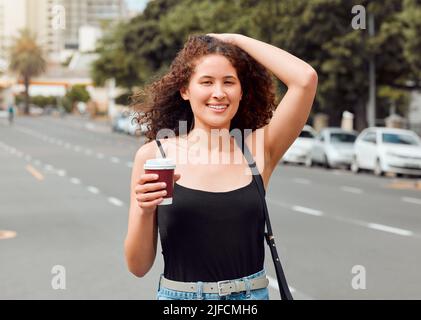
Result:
pixel 333 147
pixel 387 150
pixel 297 152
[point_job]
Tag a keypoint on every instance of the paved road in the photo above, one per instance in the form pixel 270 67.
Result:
pixel 65 192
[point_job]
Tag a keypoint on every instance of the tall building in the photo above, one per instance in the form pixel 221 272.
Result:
pixel 41 20
pixel 36 16
pixel 92 13
pixel 12 19
pixel 56 23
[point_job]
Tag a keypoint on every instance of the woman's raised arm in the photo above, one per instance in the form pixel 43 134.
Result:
pixel 292 112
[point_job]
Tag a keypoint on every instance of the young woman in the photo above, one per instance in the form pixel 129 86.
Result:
pixel 212 235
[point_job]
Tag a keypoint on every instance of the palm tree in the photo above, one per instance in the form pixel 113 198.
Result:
pixel 27 60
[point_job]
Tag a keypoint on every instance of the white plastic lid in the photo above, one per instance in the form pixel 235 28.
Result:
pixel 159 163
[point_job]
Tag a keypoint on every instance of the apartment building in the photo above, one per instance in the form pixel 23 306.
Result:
pixel 56 23
pixel 93 13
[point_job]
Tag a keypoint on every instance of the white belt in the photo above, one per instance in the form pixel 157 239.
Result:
pixel 222 288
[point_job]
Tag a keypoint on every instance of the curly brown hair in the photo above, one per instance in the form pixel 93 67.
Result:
pixel 161 106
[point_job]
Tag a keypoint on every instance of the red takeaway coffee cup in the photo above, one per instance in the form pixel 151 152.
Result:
pixel 164 168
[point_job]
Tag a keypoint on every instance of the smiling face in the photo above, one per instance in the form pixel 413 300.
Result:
pixel 214 92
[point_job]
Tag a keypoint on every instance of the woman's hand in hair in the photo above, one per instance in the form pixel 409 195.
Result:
pixel 225 37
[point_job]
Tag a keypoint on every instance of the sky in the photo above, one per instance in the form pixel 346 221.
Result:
pixel 137 5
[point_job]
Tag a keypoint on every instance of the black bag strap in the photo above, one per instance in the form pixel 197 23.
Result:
pixel 270 239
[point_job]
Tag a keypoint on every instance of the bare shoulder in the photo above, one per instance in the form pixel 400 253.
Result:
pixel 146 151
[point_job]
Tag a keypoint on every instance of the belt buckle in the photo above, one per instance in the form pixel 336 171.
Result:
pixel 219 284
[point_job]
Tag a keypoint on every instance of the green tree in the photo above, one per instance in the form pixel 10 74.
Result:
pixel 77 93
pixel 317 31
pixel 27 60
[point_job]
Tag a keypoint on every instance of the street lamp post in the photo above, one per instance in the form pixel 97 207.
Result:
pixel 371 108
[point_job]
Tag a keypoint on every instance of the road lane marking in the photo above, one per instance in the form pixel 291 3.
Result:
pixel 351 189
pixel 7 234
pixel 402 185
pixel 115 160
pixel 301 181
pixel 375 226
pixel 61 173
pixel 129 164
pixel 75 180
pixel 382 227
pixel 93 189
pixel 115 201
pixel 37 175
pixel 305 210
pixel 67 145
pixel 411 200
pixel 48 167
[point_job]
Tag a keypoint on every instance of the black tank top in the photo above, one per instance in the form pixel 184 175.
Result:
pixel 212 236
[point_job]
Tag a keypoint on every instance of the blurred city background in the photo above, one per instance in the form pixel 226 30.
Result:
pixel 345 199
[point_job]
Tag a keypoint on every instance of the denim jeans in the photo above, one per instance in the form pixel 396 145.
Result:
pixel 257 294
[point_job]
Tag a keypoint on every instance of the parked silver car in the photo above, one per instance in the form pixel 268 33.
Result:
pixel 298 151
pixel 333 147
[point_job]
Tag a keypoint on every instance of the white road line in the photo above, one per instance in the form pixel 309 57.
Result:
pixel 129 164
pixel 37 162
pixel 75 180
pixel 100 155
pixel 61 173
pixel 77 148
pixel 115 201
pixel 307 210
pixel 351 189
pixel 411 200
pixel 381 227
pixel 48 167
pixel 93 190
pixel 301 181
pixel 115 160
